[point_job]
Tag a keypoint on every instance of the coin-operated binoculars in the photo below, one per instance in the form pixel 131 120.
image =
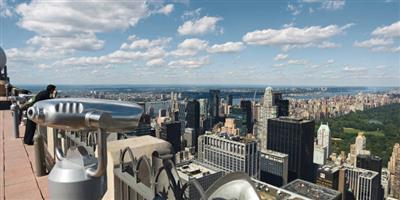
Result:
pixel 79 175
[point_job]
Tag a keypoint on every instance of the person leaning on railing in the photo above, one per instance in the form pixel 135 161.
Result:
pixel 30 128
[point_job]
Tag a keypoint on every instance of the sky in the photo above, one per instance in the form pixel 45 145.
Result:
pixel 205 42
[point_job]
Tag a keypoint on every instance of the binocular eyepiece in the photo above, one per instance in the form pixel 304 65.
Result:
pixel 86 114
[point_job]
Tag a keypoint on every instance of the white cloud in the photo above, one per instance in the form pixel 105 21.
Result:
pixel 81 42
pixel 383 40
pixel 190 63
pixel 72 25
pixel 281 57
pixel 166 10
pixel 193 43
pixel 62 18
pixel 31 55
pixel 373 42
pixel 279 65
pixel 333 4
pixel 293 35
pixel 352 69
pixel 190 47
pixel 145 43
pixel 43 66
pixel 380 66
pixel 386 49
pixel 5 10
pixel 330 61
pixel 228 47
pixel 155 62
pixel 295 10
pixel 116 57
pixel 192 13
pixel 392 30
pixel 201 26
pixel 328 45
pixel 297 62
pixel 183 52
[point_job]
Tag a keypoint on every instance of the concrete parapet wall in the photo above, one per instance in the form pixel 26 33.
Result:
pixel 140 146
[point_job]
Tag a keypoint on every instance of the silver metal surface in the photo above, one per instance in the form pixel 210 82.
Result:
pixel 236 185
pixel 102 157
pixel 68 178
pixel 84 114
pixel 16 118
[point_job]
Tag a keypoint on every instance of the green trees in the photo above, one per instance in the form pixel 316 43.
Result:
pixel 381 126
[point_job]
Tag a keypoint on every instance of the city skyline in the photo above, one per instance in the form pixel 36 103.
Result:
pixel 304 42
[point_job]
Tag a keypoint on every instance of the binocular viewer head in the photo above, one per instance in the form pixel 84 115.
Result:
pixel 86 114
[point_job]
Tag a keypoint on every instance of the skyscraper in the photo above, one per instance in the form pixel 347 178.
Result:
pixel 361 143
pixel 369 185
pixel 203 107
pixel 230 154
pixel 324 138
pixel 213 101
pixel 171 132
pixel 394 170
pixel 246 106
pixel 328 176
pixel 229 99
pixel 373 163
pixel 363 183
pixel 322 147
pixel 268 110
pixel 274 168
pixel 294 137
pixel 283 105
pixel 193 115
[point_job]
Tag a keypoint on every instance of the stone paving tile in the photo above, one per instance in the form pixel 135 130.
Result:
pixel 1 156
pixel 25 190
pixel 43 185
pixel 18 180
pixel 18 176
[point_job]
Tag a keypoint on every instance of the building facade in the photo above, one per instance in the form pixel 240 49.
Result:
pixel 246 106
pixel 274 168
pixel 213 102
pixel 294 137
pixel 230 154
pixel 394 172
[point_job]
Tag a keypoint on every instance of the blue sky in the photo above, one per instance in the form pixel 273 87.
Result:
pixel 301 42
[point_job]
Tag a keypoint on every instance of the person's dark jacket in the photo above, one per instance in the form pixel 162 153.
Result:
pixel 42 95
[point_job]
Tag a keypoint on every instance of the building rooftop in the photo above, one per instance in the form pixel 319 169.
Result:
pixel 268 152
pixel 292 119
pixel 270 192
pixel 192 169
pixel 368 174
pixel 234 138
pixel 329 167
pixel 311 190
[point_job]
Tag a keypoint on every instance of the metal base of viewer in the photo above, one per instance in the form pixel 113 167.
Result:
pixel 69 180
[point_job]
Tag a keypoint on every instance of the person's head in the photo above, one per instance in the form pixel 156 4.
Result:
pixel 52 90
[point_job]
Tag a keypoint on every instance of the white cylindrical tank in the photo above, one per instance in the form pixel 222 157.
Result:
pixel 3 59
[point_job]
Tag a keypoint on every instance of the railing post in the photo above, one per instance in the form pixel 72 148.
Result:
pixel 40 162
pixel 16 114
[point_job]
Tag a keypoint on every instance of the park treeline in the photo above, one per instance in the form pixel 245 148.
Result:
pixel 381 126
